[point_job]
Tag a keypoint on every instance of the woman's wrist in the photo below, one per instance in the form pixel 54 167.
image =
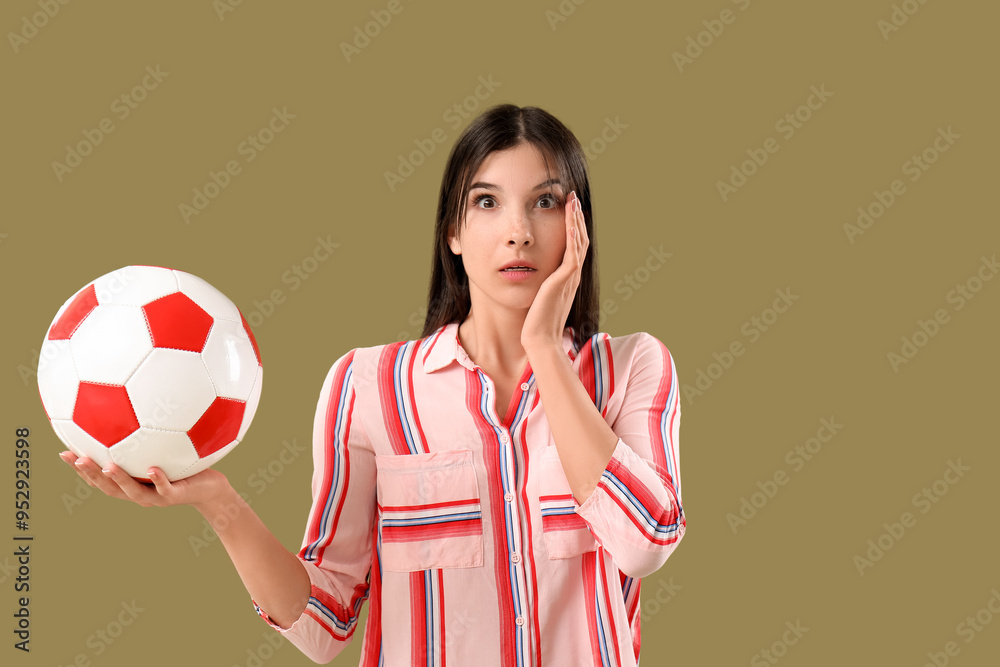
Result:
pixel 225 503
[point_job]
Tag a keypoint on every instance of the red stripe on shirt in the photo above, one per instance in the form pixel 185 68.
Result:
pixel 432 531
pixel 418 618
pixel 441 617
pixel 590 598
pixel 611 375
pixel 372 647
pixel 528 545
pixel 631 609
pixel 432 343
pixel 421 440
pixel 659 447
pixel 665 516
pixel 387 398
pixel 491 456
pixel 607 603
pixel 643 526
pixel 330 434
pixel 563 522
pixel 443 503
pixel 587 375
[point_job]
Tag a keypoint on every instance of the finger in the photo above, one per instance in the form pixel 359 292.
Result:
pixel 581 224
pixel 579 231
pixel 572 226
pixel 92 473
pixel 163 485
pixel 131 487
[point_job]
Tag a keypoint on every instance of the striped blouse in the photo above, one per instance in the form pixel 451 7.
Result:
pixel 459 526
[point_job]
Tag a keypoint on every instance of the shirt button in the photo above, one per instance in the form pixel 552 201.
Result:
pixel 508 497
pixel 524 386
pixel 516 558
pixel 503 437
pixel 519 620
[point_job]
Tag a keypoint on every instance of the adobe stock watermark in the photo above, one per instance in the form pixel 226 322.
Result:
pixel 7 569
pixel 31 25
pixel 455 115
pixel 265 650
pixel 787 126
pixel 915 167
pixel 122 106
pixel 364 34
pixel 753 329
pixel 967 629
pixel 259 480
pixel 294 276
pixel 923 500
pixel 562 12
pixel 926 330
pixel 713 30
pixel 653 603
pixel 634 281
pixel 249 148
pixel 899 17
pixel 458 626
pixel 223 7
pixel 779 647
pixel 796 457
pixel 609 134
pixel 105 636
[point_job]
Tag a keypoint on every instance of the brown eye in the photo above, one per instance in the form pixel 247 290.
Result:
pixel 480 198
pixel 550 199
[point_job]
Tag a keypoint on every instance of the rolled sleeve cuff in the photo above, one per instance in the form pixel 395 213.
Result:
pixel 316 582
pixel 634 513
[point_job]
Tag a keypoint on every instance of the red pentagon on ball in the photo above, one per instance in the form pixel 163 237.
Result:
pixel 177 322
pixel 218 426
pixel 75 313
pixel 105 412
pixel 253 339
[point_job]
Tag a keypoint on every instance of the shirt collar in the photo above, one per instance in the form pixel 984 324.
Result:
pixel 443 347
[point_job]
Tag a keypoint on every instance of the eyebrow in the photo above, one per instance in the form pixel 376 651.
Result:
pixel 490 186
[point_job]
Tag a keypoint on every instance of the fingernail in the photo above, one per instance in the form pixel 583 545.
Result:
pixel 79 463
pixel 150 473
pixel 106 471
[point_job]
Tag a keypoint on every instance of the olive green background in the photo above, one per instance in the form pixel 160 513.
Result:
pixel 680 130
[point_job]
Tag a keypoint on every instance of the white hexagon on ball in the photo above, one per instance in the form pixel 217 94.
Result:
pixel 135 285
pixel 170 390
pixel 110 344
pixel 171 451
pixel 230 359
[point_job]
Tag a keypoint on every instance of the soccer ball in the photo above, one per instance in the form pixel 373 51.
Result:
pixel 149 366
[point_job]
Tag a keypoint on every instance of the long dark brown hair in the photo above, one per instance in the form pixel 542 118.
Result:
pixel 499 128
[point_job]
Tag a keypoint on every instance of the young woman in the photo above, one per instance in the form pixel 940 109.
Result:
pixel 497 488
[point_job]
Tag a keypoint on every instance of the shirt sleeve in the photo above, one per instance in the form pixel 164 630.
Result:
pixel 635 512
pixel 337 547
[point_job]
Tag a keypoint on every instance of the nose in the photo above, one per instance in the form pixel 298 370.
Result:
pixel 519 232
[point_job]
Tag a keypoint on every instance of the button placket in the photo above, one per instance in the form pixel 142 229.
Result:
pixel 511 509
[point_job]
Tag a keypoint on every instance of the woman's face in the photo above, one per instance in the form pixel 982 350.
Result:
pixel 513 213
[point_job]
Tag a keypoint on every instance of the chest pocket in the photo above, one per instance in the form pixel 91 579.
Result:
pixel 565 533
pixel 429 511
